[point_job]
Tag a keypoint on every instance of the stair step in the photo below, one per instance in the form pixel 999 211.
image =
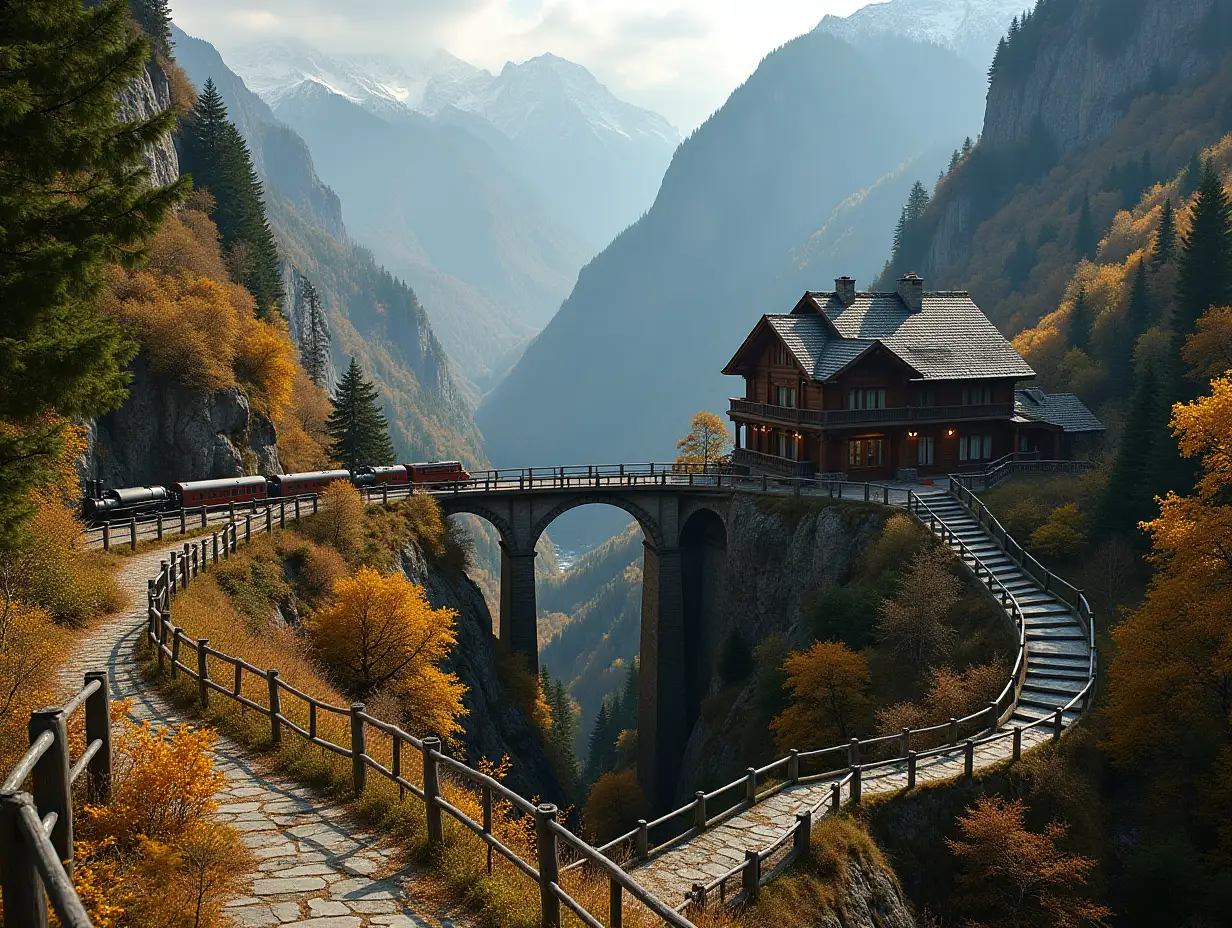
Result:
pixel 1047 624
pixel 1040 693
pixel 1044 707
pixel 1052 676
pixel 1032 635
pixel 1065 663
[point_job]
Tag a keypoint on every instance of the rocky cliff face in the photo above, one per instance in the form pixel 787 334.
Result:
pixel 308 327
pixel 143 99
pixel 868 896
pixel 780 555
pixel 165 432
pixel 493 726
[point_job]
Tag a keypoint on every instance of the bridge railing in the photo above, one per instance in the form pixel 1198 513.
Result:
pixel 180 654
pixel 1012 465
pixel 36 827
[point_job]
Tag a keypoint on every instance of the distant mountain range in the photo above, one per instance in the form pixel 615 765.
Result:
pixel 488 192
pixel 971 28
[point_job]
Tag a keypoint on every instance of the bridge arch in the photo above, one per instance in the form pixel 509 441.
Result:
pixel 651 530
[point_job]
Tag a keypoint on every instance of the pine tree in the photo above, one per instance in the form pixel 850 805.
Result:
pixel 214 153
pixel 315 349
pixel 1165 238
pixel 1137 473
pixel 154 18
pixel 63 68
pixel 1086 243
pixel 1136 320
pixel 1205 259
pixel 1020 263
pixel 358 432
pixel 908 241
pixel 562 736
pixel 1081 323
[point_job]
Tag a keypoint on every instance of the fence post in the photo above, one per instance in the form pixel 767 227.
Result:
pixel 282 513
pixel 615 914
pixel 432 792
pixel 793 766
pixel 24 900
pixel 836 797
pixel 911 762
pixel 549 864
pixel 1058 722
pixel 750 876
pixel 1017 743
pixel 804 832
pixel 106 536
pixel 98 728
pixel 750 786
pixel 159 522
pixel 175 571
pixel 275 707
pixel 315 496
pixel 641 842
pixel 175 653
pixel 214 542
pixel 269 519
pixel 855 785
pixel 204 517
pixel 248 528
pixel 162 640
pixel 203 672
pixel 994 716
pixel 184 567
pixel 183 520
pixel 953 730
pixel 487 821
pixel 905 746
pixel 359 747
pixel 968 758
pixel 297 509
pixel 853 752
pixel 132 534
pixel 52 790
pixel 699 809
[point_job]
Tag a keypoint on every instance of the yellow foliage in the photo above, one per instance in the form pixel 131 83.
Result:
pixel 265 362
pixel 951 694
pixel 380 631
pixel 829 686
pixel 900 540
pixel 614 805
pixel 302 440
pixel 340 523
pixel 707 442
pixel 912 624
pixel 1208 352
pixel 1064 534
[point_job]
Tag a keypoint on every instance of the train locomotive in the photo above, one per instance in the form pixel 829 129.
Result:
pixel 101 504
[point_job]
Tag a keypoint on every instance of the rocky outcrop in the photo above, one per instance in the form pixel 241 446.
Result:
pixel 306 319
pixel 781 553
pixel 165 432
pixel 144 98
pixel 868 896
pixel 494 727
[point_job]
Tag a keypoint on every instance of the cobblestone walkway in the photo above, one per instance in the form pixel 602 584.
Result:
pixel 1056 671
pixel 314 868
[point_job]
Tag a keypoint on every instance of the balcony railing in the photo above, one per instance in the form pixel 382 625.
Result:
pixel 831 418
pixel 772 464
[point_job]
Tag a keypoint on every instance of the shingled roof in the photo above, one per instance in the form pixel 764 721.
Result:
pixel 1064 410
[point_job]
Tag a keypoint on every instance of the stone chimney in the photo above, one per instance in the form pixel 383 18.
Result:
pixel 845 290
pixel 911 292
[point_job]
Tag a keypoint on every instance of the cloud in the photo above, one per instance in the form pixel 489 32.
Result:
pixel 680 57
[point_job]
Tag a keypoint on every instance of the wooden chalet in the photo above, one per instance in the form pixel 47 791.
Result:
pixel 895 385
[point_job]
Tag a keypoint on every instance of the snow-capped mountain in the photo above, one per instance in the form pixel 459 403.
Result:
pixel 969 27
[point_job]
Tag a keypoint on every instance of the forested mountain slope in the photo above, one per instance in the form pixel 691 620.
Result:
pixel 637 347
pixel 1090 103
pixel 372 314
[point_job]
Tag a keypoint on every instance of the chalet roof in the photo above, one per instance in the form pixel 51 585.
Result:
pixel 950 338
pixel 814 346
pixel 1063 410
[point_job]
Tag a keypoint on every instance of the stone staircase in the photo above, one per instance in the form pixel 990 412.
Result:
pixel 1058 664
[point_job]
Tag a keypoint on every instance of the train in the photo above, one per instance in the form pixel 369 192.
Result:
pixel 102 503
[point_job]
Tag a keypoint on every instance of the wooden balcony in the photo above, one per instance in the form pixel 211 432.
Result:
pixel 772 464
pixel 854 418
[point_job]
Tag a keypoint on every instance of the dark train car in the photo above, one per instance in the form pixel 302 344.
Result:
pixel 287 485
pixel 220 492
pixel 437 472
pixel 129 501
pixel 379 476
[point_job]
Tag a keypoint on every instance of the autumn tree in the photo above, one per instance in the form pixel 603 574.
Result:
pixel 829 696
pixel 1011 877
pixel 1208 352
pixel 912 623
pixel 357 428
pixel 75 197
pixel 951 694
pixel 614 805
pixel 1170 681
pixel 707 442
pixel 340 523
pixel 1081 321
pixel 1064 534
pixel 380 632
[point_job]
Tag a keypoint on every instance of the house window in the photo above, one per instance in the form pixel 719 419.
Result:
pixel 976 396
pixel 866 399
pixel 924 450
pixel 785 396
pixel 975 448
pixel 864 452
pixel 787 446
pixel 925 398
pixel 780 354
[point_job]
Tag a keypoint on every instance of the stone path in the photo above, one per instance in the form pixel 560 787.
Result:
pixel 313 867
pixel 1056 671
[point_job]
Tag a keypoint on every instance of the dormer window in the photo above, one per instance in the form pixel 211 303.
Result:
pixel 785 396
pixel 779 354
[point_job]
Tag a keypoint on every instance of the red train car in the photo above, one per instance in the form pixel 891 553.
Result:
pixel 377 476
pixel 287 485
pixel 437 472
pixel 220 492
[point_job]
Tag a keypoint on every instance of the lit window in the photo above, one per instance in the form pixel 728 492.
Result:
pixel 864 452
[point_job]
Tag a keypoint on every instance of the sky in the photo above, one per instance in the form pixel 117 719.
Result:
pixel 680 58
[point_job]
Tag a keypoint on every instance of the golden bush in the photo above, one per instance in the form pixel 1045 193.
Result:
pixel 829 686
pixel 340 522
pixel 302 440
pixel 614 805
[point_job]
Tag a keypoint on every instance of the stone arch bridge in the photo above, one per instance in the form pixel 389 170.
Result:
pixel 683 518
